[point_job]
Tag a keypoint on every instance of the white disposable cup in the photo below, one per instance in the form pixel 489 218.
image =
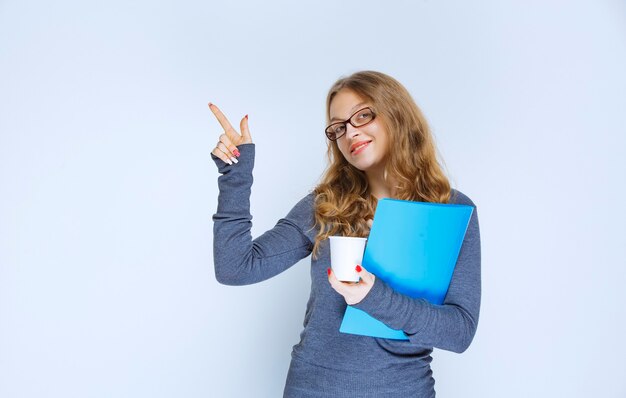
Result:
pixel 345 253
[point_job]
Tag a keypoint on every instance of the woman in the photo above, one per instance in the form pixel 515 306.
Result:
pixel 379 146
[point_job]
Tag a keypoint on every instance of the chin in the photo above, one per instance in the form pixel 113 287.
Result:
pixel 362 163
pixel 363 166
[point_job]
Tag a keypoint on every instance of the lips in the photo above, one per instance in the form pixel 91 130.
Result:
pixel 358 146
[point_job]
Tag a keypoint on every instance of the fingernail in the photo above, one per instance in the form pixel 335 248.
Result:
pixel 358 268
pixel 234 160
pixel 246 117
pixel 236 152
pixel 328 271
pixel 210 103
pixel 229 162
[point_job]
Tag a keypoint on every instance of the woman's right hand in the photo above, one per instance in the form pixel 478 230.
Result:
pixel 226 148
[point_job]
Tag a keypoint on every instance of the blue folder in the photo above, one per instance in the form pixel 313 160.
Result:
pixel 413 247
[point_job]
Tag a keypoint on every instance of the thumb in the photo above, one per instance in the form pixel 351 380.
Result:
pixel 366 276
pixel 245 131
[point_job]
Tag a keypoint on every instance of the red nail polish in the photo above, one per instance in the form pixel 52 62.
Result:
pixel 358 268
pixel 246 116
pixel 236 152
pixel 210 103
pixel 328 270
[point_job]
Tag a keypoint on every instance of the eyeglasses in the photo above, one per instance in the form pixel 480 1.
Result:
pixel 358 119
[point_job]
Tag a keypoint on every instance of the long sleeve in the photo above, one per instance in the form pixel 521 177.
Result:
pixel 450 326
pixel 238 259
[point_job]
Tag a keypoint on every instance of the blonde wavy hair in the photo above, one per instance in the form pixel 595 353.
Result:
pixel 343 201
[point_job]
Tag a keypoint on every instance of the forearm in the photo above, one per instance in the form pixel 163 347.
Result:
pixel 449 327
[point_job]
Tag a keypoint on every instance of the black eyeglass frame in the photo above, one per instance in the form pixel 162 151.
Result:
pixel 329 134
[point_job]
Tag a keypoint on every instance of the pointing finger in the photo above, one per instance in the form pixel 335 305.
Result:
pixel 220 117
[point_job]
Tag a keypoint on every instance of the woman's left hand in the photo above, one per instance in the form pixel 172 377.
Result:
pixel 353 292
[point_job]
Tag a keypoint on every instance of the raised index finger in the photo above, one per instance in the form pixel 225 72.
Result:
pixel 220 117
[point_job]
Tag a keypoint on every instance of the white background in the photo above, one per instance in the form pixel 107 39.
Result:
pixel 107 188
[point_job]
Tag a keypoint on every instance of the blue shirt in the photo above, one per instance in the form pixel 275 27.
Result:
pixel 326 362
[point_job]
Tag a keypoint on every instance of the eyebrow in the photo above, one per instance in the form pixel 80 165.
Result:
pixel 354 109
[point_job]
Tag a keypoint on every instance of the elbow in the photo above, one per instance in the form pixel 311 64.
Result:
pixel 465 338
pixel 462 346
pixel 227 278
pixel 232 272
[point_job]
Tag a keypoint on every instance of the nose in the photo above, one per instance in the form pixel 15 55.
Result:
pixel 351 131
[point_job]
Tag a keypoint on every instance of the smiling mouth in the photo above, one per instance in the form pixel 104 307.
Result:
pixel 360 148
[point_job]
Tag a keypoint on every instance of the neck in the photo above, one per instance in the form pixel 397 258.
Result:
pixel 378 186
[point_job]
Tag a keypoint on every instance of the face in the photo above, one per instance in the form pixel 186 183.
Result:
pixel 363 147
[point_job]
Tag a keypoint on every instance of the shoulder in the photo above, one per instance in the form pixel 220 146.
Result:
pixel 459 198
pixel 306 202
pixel 303 210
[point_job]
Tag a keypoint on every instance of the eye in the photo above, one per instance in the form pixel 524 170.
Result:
pixel 339 129
pixel 364 115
